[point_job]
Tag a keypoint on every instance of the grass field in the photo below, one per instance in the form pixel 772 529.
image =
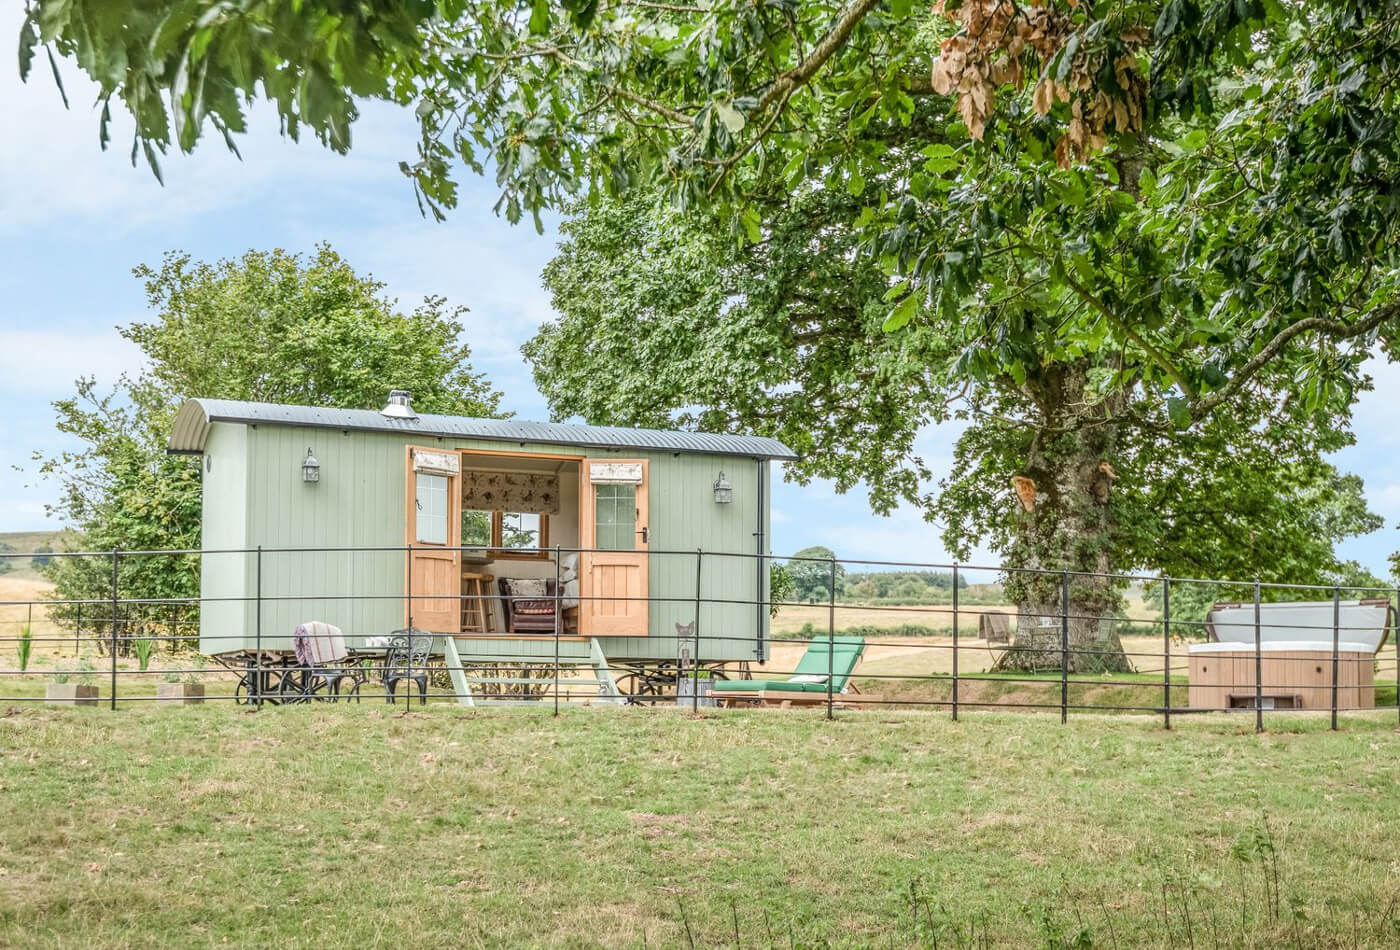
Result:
pixel 335 826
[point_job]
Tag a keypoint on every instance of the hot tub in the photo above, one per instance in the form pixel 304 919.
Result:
pixel 1294 664
pixel 1295 675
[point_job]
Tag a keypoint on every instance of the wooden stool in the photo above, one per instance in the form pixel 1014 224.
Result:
pixel 477 616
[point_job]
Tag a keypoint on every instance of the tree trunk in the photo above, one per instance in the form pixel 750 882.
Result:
pixel 1060 560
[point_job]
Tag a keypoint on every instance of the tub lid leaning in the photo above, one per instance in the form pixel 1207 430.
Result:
pixel 1365 622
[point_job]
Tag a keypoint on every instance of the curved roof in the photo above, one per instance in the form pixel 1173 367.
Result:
pixel 192 422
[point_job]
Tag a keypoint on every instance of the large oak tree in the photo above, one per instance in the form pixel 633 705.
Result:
pixel 1122 221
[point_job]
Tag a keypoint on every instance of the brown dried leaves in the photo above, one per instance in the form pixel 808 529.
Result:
pixel 996 41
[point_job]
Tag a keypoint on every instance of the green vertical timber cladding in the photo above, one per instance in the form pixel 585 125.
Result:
pixel 359 503
pixel 225 615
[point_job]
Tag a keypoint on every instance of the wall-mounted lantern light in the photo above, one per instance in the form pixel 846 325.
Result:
pixel 724 492
pixel 310 468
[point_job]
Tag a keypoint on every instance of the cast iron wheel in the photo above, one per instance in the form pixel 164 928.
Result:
pixel 290 688
pixel 350 688
pixel 243 695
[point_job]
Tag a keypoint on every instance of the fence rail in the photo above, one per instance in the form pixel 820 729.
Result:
pixel 1066 656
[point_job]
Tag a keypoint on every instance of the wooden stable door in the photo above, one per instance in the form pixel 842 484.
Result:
pixel 613 570
pixel 433 530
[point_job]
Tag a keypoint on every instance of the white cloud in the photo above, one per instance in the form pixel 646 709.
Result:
pixel 57 176
pixel 478 260
pixel 45 362
pixel 1386 500
pixel 1373 418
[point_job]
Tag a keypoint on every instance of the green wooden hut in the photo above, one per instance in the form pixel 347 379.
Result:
pixel 377 520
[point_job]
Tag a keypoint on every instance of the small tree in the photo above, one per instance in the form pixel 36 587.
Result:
pixel 811 573
pixel 269 326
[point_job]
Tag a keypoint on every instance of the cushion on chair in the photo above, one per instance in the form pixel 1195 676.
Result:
pixel 767 686
pixel 836 660
pixel 528 586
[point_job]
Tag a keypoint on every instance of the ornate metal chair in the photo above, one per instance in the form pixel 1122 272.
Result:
pixel 407 659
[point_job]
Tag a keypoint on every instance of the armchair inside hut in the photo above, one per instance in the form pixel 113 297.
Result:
pixel 531 604
pixel 515 511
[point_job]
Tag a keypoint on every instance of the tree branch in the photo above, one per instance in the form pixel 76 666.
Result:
pixel 788 83
pixel 1334 329
pixel 1154 354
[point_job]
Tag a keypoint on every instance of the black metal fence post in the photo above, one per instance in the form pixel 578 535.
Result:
pixel 408 612
pixel 695 645
pixel 78 633
pixel 831 644
pixel 1258 665
pixel 558 615
pixel 115 559
pixel 1336 645
pixel 1166 652
pixel 955 643
pixel 1064 646
pixel 256 684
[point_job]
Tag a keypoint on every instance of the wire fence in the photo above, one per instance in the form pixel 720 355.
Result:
pixel 568 625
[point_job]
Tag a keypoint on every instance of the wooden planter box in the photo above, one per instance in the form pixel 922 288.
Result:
pixel 182 694
pixel 70 694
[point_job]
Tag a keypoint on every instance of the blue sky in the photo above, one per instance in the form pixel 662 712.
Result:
pixel 74 221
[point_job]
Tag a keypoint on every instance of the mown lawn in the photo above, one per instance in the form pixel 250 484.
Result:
pixel 336 826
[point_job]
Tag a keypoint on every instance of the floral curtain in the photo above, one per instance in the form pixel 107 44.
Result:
pixel 511 491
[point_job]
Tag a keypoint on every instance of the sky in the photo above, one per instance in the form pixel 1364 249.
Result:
pixel 75 220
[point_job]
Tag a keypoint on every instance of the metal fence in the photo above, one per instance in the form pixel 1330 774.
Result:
pixel 949 647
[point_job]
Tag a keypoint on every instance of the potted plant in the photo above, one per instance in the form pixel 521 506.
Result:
pixel 183 690
pixel 72 687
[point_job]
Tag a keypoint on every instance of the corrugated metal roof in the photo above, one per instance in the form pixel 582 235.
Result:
pixel 191 429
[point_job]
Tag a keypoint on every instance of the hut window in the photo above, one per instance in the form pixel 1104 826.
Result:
pixel 520 530
pixel 476 527
pixel 616 517
pixel 506 532
pixel 432 508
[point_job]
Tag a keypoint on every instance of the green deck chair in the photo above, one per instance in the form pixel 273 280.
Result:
pixel 810 675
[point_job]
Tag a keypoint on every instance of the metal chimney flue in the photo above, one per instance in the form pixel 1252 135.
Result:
pixel 400 405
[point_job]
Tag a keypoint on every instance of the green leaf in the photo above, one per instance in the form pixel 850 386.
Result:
pixel 28 39
pixel 752 221
pixel 902 313
pixel 1179 411
pixel 539 17
pixel 732 118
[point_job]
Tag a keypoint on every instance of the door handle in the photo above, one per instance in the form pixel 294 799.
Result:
pixel 643 532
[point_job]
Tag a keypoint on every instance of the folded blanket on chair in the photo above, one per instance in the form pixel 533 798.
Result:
pixel 317 642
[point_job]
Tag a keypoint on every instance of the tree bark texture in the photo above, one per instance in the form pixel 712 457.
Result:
pixel 1064 522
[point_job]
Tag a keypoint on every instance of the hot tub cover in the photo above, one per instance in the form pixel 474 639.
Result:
pixel 1303 625
pixel 1280 646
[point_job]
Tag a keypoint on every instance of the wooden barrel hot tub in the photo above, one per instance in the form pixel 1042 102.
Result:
pixel 1293 664
pixel 1295 675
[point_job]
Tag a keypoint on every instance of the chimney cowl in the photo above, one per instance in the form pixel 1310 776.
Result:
pixel 400 405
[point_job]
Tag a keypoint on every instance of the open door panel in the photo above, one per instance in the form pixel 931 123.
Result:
pixel 433 529
pixel 614 580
